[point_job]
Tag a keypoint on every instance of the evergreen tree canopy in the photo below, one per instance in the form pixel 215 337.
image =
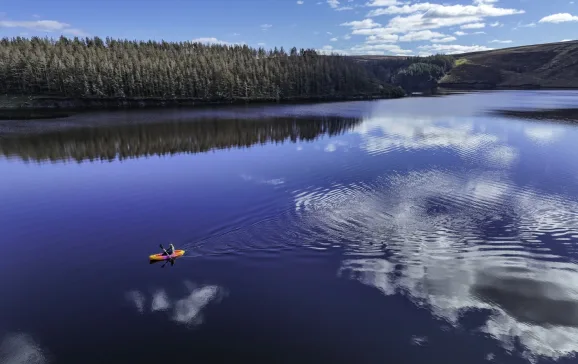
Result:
pixel 93 67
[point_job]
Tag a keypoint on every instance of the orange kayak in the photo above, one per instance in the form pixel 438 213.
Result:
pixel 161 256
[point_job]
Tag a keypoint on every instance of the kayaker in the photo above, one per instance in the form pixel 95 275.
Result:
pixel 170 250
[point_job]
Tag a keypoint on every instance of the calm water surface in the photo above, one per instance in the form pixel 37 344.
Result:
pixel 421 230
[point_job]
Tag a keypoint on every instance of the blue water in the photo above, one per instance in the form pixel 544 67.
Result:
pixel 399 231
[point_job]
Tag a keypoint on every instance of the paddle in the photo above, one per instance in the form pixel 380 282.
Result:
pixel 171 259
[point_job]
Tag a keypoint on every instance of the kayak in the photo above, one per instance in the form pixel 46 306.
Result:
pixel 160 256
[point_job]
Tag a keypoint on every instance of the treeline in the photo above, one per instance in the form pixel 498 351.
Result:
pixel 412 73
pixel 124 141
pixel 93 68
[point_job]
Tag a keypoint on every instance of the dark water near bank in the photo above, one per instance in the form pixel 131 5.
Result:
pixel 422 230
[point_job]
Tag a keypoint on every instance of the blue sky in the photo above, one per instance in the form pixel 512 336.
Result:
pixel 346 26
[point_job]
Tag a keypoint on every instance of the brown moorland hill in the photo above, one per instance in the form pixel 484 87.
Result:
pixel 549 65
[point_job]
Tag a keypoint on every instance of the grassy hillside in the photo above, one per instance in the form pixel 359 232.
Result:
pixel 552 65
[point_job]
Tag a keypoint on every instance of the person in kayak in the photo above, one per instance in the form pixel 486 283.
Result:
pixel 170 250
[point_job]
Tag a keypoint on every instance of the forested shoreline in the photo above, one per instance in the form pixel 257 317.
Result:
pixel 93 68
pixel 94 72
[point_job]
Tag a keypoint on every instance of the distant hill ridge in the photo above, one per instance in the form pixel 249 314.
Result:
pixel 550 65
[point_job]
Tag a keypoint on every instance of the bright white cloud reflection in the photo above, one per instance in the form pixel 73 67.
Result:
pixel 383 134
pixel 185 310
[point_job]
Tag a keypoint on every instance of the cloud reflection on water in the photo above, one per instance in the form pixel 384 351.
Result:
pixel 459 241
pixel 545 134
pixel 18 348
pixel 453 263
pixel 272 182
pixel 383 134
pixel 186 310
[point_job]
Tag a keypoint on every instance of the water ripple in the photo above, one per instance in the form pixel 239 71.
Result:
pixel 457 241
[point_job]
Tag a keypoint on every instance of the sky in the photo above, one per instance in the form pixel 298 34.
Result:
pixel 382 27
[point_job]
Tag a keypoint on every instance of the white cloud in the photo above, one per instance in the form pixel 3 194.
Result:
pixel 333 3
pixel 261 44
pixel 447 11
pixel 529 25
pixel 481 10
pixel 411 23
pixel 405 9
pixel 496 24
pixel 333 40
pixel 362 24
pixel 559 18
pixel 42 25
pixel 501 41
pixel 403 24
pixel 419 21
pixel 328 49
pixel 382 38
pixel 366 49
pixel 329 33
pixel 444 40
pixel 473 26
pixel 344 8
pixel 48 26
pixel 382 3
pixel 265 27
pixel 383 48
pixel 479 33
pixel 420 36
pixel 453 48
pixel 347 36
pixel 300 2
pixel 210 40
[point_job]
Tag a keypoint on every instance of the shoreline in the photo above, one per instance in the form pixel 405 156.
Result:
pixel 50 107
pixel 482 86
